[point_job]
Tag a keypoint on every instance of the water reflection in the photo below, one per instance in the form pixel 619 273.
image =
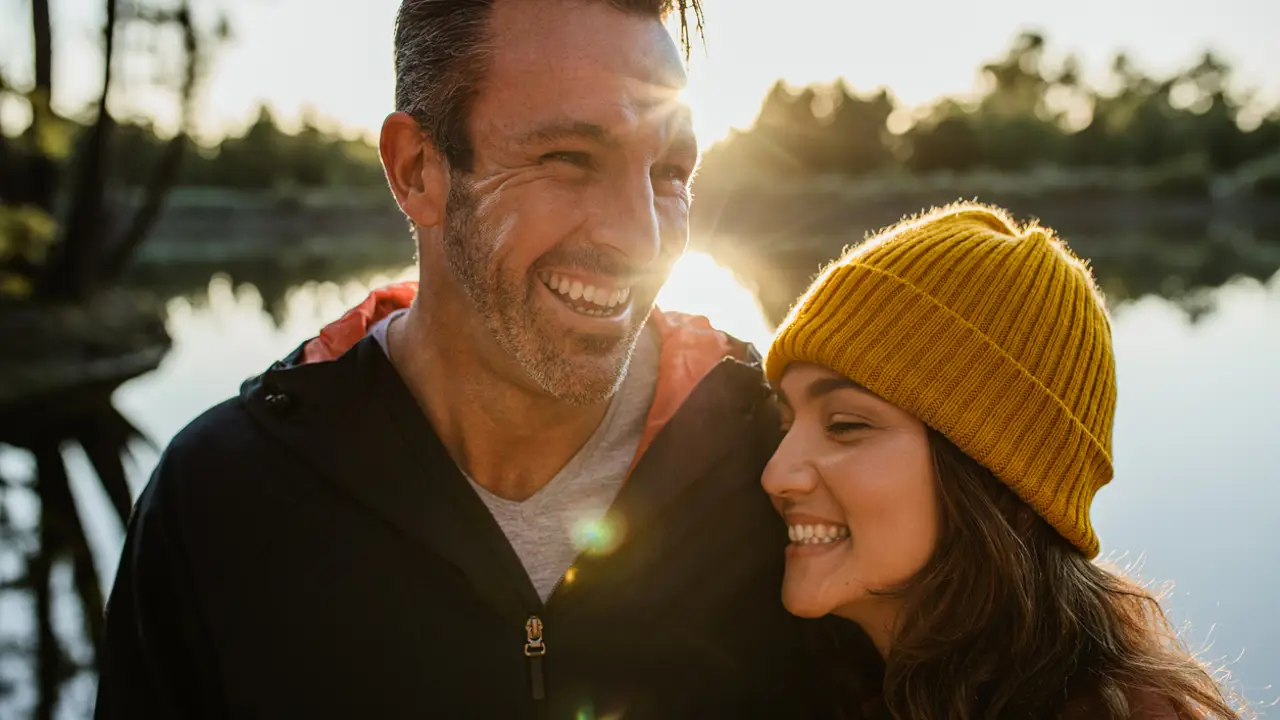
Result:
pixel 1133 255
pixel 1131 258
pixel 1196 463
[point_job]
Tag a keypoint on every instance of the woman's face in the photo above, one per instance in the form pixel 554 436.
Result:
pixel 854 481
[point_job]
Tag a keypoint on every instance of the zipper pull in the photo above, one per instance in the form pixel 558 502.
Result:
pixel 534 649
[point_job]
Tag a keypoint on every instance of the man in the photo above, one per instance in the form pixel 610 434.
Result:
pixel 517 498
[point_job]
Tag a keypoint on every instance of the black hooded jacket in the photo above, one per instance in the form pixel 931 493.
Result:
pixel 309 550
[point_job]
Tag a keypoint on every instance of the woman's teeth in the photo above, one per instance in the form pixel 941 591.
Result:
pixel 587 299
pixel 816 534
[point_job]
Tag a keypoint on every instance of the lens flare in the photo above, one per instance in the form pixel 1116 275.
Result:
pixel 595 536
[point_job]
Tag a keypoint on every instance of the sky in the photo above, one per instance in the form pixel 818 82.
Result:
pixel 335 56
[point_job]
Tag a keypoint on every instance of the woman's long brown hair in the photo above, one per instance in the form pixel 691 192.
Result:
pixel 1008 620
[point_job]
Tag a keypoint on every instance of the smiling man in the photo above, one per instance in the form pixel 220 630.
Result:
pixel 512 489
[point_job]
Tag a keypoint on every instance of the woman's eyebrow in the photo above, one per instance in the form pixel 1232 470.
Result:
pixel 827 385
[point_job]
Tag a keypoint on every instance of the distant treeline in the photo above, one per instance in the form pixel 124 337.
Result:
pixel 1033 114
pixel 263 157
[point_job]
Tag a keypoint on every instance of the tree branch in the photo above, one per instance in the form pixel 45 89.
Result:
pixel 166 171
pixel 42 181
pixel 8 182
pixel 8 185
pixel 72 272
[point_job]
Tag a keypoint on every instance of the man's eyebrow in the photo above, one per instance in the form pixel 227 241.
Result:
pixel 568 130
pixel 683 136
pixel 684 142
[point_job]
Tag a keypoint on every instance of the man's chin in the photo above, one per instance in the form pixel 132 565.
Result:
pixel 581 368
pixel 578 363
pixel 581 384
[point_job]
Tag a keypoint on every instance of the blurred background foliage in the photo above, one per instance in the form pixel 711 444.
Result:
pixel 1185 133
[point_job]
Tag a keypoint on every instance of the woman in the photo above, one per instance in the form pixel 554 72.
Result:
pixel 948 392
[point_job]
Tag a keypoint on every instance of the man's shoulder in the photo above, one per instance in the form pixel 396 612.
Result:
pixel 287 421
pixel 218 436
pixel 240 431
pixel 223 444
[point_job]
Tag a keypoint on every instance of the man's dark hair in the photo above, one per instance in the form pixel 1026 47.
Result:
pixel 440 61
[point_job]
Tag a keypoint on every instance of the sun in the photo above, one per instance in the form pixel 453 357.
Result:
pixel 700 286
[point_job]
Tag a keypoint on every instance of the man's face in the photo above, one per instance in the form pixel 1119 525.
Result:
pixel 577 203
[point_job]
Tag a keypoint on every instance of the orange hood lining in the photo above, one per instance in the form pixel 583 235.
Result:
pixel 691 348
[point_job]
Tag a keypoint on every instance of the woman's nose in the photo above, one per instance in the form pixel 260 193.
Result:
pixel 789 473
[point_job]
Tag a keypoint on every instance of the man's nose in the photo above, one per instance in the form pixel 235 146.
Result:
pixel 628 221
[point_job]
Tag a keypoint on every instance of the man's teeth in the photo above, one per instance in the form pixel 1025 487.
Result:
pixel 816 534
pixel 604 298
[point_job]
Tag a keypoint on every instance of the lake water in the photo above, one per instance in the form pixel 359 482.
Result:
pixel 1197 444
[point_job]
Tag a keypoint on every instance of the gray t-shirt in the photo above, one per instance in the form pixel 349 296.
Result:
pixel 550 529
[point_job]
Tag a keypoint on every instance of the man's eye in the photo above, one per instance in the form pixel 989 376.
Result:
pixel 671 174
pixel 572 157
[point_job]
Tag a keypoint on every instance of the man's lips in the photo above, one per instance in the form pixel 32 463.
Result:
pixel 592 296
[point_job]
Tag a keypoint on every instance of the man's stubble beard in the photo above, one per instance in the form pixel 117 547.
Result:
pixel 574 368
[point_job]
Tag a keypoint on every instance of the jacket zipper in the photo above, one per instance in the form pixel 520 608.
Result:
pixel 534 649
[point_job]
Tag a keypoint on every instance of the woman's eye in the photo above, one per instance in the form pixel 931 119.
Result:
pixel 840 429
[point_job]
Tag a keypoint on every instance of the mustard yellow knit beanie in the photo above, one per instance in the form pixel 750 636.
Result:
pixel 992 334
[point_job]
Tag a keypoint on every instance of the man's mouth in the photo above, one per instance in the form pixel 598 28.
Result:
pixel 595 300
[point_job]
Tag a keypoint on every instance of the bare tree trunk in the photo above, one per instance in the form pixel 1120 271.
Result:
pixel 46 643
pixel 42 179
pixel 43 33
pixel 61 535
pixel 85 575
pixel 165 174
pixel 162 179
pixel 50 474
pixel 7 184
pixel 73 272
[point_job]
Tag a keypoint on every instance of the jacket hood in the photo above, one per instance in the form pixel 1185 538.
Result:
pixel 691 348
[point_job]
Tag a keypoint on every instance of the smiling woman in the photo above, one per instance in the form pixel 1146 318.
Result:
pixel 949 393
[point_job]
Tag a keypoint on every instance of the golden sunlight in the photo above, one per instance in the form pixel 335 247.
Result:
pixel 701 286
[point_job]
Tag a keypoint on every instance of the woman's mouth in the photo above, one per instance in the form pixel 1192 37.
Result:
pixel 594 300
pixel 817 534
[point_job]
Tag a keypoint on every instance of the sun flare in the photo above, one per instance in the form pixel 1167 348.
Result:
pixel 701 286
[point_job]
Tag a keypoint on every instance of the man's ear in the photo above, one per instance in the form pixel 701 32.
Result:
pixel 417 172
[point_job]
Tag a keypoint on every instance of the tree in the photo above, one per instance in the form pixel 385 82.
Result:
pixel 1033 110
pixel 856 132
pixel 945 140
pixel 64 241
